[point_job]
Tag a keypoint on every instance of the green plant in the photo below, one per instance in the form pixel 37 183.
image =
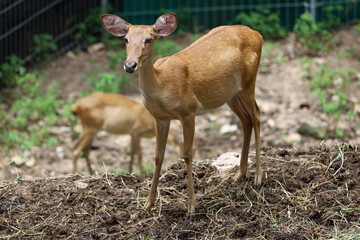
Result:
pixel 12 165
pixel 183 17
pixel 165 47
pixel 330 19
pixel 195 37
pixel 105 82
pixel 115 59
pixel 339 133
pixel 43 47
pixel 263 21
pixel 357 28
pixel 329 85
pixel 272 53
pixel 90 31
pixel 347 53
pixel 311 36
pixel 11 70
pixel 32 114
pixel 316 36
pixel 306 65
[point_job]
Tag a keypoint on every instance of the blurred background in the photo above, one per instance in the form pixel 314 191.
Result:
pixel 53 52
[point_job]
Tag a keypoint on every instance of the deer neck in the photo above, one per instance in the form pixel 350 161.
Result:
pixel 147 79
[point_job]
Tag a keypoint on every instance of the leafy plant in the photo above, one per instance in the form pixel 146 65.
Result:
pixel 32 114
pixel 311 36
pixel 165 47
pixel 357 28
pixel 263 21
pixel 90 31
pixel 330 19
pixel 115 59
pixel 329 86
pixel 105 82
pixel 183 15
pixel 43 47
pixel 11 70
pixel 195 37
pixel 316 36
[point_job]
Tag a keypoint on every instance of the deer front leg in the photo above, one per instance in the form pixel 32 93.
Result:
pixel 162 131
pixel 189 130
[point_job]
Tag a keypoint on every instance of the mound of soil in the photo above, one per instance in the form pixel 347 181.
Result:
pixel 313 193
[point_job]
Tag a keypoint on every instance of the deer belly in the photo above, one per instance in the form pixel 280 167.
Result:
pixel 115 127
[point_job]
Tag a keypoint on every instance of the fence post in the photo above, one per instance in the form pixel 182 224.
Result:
pixel 313 6
pixel 103 11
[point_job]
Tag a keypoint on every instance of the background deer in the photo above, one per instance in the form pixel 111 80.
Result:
pixel 115 114
pixel 218 68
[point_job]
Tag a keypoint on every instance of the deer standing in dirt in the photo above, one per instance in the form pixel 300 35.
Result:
pixel 115 114
pixel 218 68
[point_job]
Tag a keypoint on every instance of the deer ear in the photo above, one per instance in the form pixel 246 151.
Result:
pixel 115 25
pixel 165 24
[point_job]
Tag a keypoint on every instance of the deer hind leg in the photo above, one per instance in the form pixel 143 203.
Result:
pixel 136 149
pixel 188 131
pixel 251 105
pixel 86 156
pixel 82 144
pixel 238 107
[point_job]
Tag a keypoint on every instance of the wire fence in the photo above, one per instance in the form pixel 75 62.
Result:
pixel 21 20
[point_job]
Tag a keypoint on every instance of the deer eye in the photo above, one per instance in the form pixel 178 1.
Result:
pixel 126 40
pixel 148 40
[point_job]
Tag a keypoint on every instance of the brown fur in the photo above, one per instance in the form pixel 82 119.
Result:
pixel 115 114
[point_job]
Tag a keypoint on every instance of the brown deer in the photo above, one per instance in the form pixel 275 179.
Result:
pixel 115 114
pixel 218 68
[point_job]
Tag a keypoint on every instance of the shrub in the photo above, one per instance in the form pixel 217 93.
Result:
pixel 115 59
pixel 32 114
pixel 10 71
pixel 316 36
pixel 165 47
pixel 329 86
pixel 105 82
pixel 90 31
pixel 43 47
pixel 310 34
pixel 263 21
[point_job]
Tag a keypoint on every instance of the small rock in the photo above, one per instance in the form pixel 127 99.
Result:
pixel 71 54
pixel 271 123
pixel 319 61
pixel 60 152
pixel 30 163
pixel 357 107
pixel 127 191
pixel 266 107
pixel 18 160
pixel 226 161
pixel 292 138
pixel 96 47
pixel 228 129
pixel 81 185
pixel 310 130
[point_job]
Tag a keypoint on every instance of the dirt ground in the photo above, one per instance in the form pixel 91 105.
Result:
pixel 310 191
pixel 311 194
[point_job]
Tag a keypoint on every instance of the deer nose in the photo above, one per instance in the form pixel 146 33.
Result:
pixel 130 66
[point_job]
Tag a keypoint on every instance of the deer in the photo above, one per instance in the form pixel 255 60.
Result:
pixel 116 114
pixel 219 68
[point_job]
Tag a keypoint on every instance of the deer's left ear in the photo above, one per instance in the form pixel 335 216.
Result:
pixel 166 24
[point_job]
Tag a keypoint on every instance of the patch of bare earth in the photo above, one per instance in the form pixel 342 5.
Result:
pixel 305 194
